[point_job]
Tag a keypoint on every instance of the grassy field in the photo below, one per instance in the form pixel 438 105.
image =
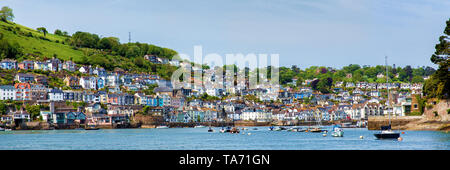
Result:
pixel 34 42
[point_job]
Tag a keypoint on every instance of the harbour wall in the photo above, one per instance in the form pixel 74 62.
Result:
pixel 399 122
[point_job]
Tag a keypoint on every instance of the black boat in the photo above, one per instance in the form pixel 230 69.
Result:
pixel 387 133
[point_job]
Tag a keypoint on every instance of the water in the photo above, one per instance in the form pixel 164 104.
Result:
pixel 199 138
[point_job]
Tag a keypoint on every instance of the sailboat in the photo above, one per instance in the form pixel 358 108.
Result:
pixel 386 131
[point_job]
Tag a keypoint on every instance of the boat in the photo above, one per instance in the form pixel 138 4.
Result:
pixel 222 130
pixel 316 130
pixel 210 129
pixel 271 128
pixel 234 130
pixel 337 131
pixel 386 131
pixel 2 129
pixel 255 129
pixel 162 127
pixel 91 127
pixel 199 126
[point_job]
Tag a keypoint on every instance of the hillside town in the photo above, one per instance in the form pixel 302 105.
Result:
pixel 93 95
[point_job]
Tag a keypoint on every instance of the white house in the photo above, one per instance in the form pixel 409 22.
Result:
pixel 56 95
pixel 7 92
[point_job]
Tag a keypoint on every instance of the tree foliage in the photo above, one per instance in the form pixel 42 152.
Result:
pixel 6 14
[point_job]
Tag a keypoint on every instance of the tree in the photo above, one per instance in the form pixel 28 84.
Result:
pixel 438 85
pixel 58 32
pixel 6 14
pixel 43 30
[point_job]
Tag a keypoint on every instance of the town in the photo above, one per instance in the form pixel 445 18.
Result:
pixel 89 95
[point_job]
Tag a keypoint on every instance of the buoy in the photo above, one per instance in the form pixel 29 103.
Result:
pixel 324 135
pixel 361 137
pixel 400 139
pixel 403 132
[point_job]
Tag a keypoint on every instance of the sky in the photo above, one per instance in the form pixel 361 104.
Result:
pixel 305 33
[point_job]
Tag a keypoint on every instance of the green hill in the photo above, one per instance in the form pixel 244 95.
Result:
pixel 84 48
pixel 35 44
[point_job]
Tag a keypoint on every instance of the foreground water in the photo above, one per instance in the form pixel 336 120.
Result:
pixel 199 138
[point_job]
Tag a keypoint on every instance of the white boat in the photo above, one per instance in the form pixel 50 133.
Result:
pixel 337 132
pixel 2 129
pixel 162 127
pixel 199 126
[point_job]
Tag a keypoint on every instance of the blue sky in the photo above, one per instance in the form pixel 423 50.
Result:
pixel 304 32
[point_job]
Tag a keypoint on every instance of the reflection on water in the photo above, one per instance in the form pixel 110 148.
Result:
pixel 199 138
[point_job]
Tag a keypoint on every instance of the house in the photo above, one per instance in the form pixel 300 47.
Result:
pixel 38 92
pixel 26 65
pixel 7 92
pixel 54 64
pixel 69 95
pixel 69 66
pixel 41 80
pixel 39 65
pixel 69 118
pixel 8 64
pixel 56 95
pixel 20 117
pixel 23 91
pixel 88 82
pixel 71 81
pixel 24 78
pixel 46 116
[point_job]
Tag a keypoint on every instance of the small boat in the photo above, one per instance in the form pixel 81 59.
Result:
pixel 234 130
pixel 271 128
pixel 210 129
pixel 337 131
pixel 222 130
pixel 199 126
pixel 317 130
pixel 2 129
pixel 162 127
pixel 255 129
pixel 302 130
pixel 91 127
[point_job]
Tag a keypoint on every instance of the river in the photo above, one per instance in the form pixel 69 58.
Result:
pixel 200 139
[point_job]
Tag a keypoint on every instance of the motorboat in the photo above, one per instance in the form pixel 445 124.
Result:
pixel 337 131
pixel 162 127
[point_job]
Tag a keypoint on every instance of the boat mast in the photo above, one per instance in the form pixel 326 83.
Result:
pixel 387 86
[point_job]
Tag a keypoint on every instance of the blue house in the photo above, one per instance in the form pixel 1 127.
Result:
pixel 100 83
pixel 8 64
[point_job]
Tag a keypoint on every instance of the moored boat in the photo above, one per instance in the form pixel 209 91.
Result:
pixel 337 131
pixel 162 127
pixel 91 127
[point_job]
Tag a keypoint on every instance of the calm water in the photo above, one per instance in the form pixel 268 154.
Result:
pixel 199 138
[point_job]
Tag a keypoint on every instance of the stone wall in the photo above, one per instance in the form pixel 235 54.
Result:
pixel 397 122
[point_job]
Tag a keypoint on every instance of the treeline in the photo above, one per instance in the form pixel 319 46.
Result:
pixel 326 76
pixel 112 45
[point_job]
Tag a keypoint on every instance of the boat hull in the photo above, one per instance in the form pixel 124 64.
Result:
pixel 387 136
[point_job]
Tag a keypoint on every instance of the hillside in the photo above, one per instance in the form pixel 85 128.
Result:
pixel 34 45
